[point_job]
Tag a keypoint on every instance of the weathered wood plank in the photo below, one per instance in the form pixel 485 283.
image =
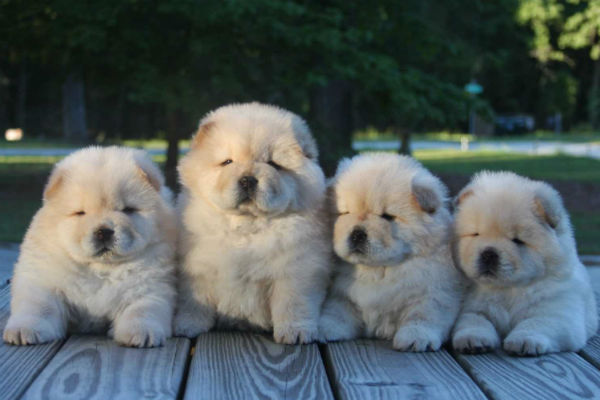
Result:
pixel 8 258
pixel 95 367
pixel 591 352
pixel 553 376
pixel 235 365
pixel 372 369
pixel 595 278
pixel 19 365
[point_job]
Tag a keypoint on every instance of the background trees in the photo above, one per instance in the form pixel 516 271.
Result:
pixel 128 68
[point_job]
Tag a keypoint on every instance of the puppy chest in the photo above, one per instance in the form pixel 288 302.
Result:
pixel 243 299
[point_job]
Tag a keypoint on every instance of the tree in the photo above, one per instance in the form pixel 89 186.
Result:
pixel 563 25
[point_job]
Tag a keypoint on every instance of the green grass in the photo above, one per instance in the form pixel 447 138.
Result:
pixel 22 181
pixel 447 136
pixel 587 231
pixel 551 167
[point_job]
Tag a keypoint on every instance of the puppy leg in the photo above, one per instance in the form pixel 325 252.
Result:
pixel 548 331
pixel 38 315
pixel 426 325
pixel 145 323
pixel 338 320
pixel 192 316
pixel 295 308
pixel 474 334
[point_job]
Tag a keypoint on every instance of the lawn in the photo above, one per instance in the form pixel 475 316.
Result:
pixel 545 167
pixel 578 179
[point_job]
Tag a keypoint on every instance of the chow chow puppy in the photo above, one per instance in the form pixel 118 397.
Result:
pixel 530 292
pixel 99 254
pixel 392 229
pixel 255 250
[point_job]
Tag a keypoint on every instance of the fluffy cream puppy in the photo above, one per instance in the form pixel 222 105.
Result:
pixel 529 290
pixel 392 230
pixel 99 254
pixel 255 252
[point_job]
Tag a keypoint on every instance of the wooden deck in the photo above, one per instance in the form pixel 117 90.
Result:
pixel 228 365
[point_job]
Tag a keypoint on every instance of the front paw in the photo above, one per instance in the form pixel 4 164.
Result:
pixel 295 334
pixel 417 339
pixel 526 344
pixel 140 333
pixel 24 331
pixel 191 324
pixel 475 341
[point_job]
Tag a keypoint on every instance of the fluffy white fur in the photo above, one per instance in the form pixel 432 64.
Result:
pixel 538 299
pixel 66 279
pixel 401 283
pixel 258 261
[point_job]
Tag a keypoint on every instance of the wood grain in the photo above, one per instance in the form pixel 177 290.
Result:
pixel 8 258
pixel 553 376
pixel 236 365
pixel 95 367
pixel 19 365
pixel 372 369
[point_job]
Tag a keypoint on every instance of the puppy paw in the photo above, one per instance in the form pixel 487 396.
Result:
pixel 295 334
pixel 25 331
pixel 139 334
pixel 417 339
pixel 190 324
pixel 527 344
pixel 475 341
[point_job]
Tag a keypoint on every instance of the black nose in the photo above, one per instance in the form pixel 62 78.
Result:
pixel 248 184
pixel 488 261
pixel 358 238
pixel 104 234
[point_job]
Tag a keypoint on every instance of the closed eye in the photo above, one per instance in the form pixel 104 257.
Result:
pixel 518 242
pixel 129 210
pixel 78 213
pixel 274 165
pixel 226 162
pixel 387 217
pixel 470 235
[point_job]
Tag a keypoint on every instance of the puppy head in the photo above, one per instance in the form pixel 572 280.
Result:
pixel 253 159
pixel 509 230
pixel 388 208
pixel 105 204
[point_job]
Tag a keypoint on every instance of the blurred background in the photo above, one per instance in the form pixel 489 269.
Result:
pixel 462 85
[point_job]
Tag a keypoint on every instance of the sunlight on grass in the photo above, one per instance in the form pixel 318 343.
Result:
pixel 551 167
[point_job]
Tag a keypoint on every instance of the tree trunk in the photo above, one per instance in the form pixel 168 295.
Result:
pixel 21 111
pixel 594 100
pixel 332 121
pixel 73 102
pixel 405 142
pixel 173 137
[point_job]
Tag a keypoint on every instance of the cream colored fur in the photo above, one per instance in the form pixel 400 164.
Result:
pixel 402 285
pixel 539 299
pixel 65 280
pixel 259 262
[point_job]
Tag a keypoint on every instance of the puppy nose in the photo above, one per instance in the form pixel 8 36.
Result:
pixel 104 234
pixel 358 237
pixel 488 261
pixel 248 183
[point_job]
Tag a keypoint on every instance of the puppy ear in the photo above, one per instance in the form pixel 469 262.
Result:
pixel 200 134
pixel 548 205
pixel 149 171
pixel 54 182
pixel 464 193
pixel 426 193
pixel 303 136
